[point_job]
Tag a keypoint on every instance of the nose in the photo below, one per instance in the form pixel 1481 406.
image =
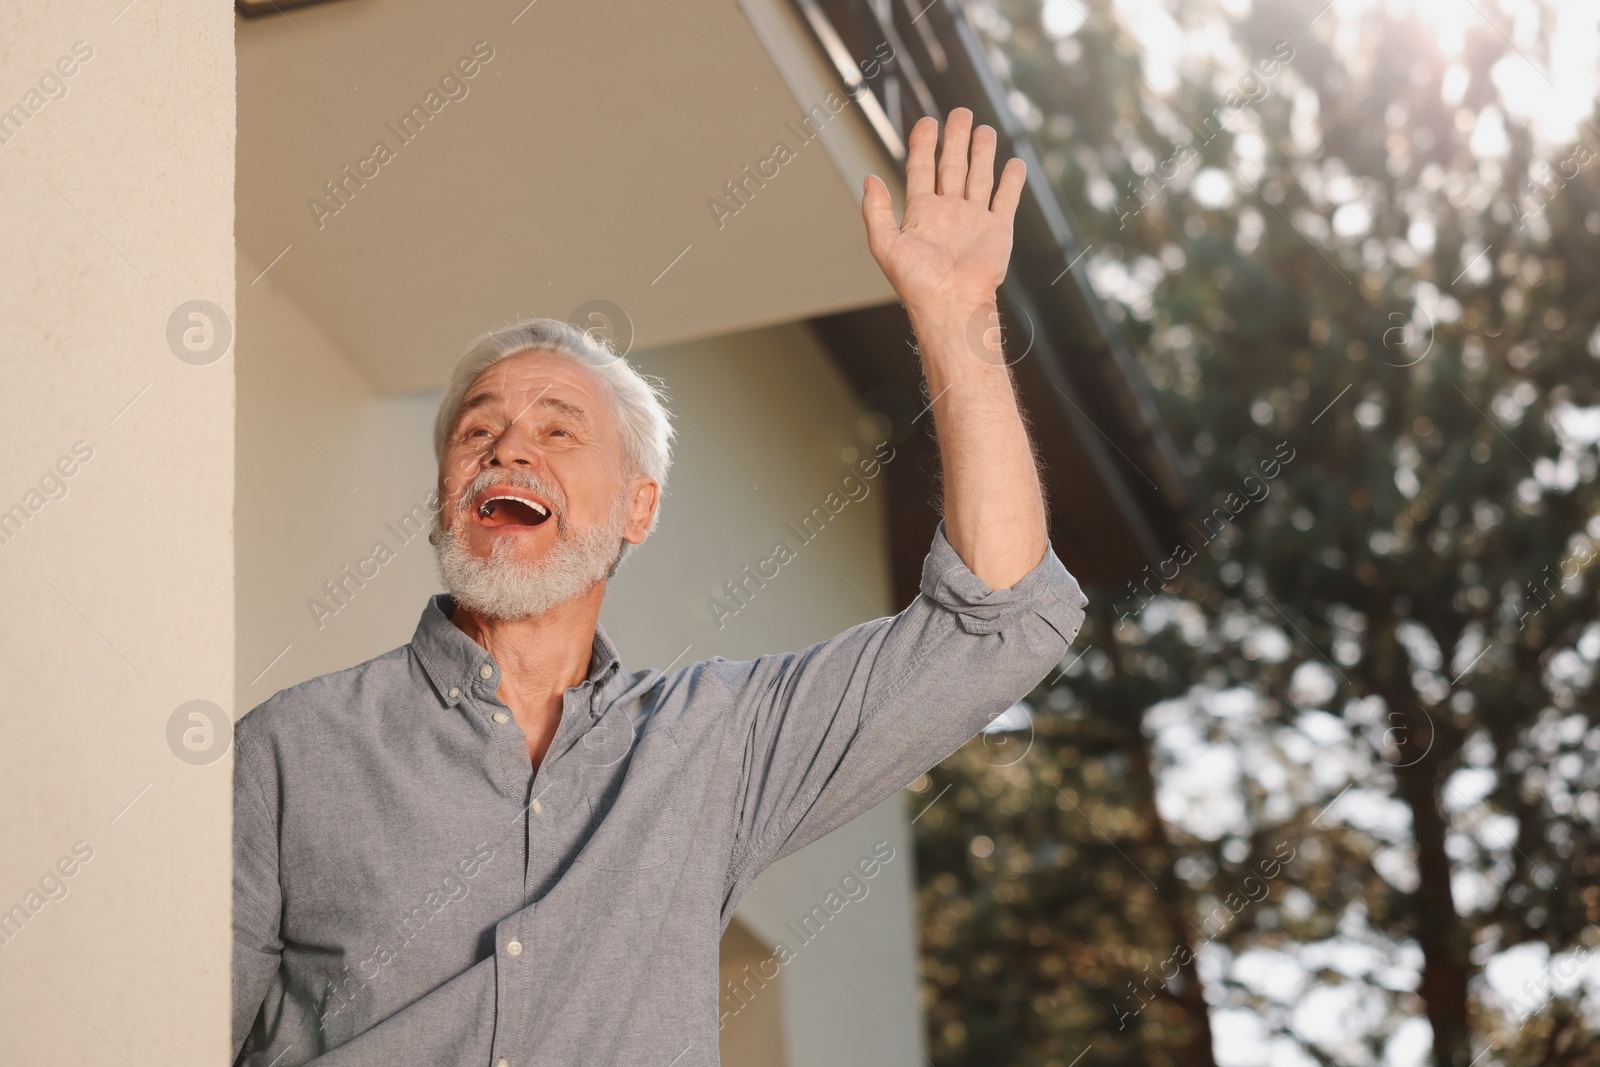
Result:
pixel 515 447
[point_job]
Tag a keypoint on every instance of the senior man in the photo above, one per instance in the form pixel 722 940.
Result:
pixel 495 845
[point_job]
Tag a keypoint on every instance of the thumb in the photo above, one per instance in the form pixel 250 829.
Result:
pixel 877 211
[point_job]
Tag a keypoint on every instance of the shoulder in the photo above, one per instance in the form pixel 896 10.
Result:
pixel 678 696
pixel 714 676
pixel 706 690
pixel 332 702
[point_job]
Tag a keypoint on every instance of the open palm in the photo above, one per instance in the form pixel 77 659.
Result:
pixel 953 245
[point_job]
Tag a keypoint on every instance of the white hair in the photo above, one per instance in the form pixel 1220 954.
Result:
pixel 638 403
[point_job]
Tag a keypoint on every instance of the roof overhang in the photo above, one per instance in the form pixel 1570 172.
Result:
pixel 578 164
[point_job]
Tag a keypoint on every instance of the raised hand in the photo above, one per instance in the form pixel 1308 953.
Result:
pixel 950 252
pixel 947 260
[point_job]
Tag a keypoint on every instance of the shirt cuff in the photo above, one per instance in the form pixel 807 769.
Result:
pixel 1049 589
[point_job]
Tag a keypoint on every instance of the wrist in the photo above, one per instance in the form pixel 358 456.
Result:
pixel 967 329
pixel 941 313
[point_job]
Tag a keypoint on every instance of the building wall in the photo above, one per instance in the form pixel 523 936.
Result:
pixel 327 470
pixel 850 987
pixel 328 466
pixel 116 202
pixel 751 1036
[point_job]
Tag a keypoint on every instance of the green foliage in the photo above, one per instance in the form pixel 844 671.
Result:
pixel 1349 268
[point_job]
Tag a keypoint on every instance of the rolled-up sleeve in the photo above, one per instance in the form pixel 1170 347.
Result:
pixel 834 730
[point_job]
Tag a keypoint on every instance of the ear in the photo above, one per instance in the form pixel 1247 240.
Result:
pixel 644 495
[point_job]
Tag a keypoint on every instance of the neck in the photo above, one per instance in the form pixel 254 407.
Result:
pixel 541 656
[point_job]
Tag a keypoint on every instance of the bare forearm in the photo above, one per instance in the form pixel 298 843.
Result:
pixel 993 505
pixel 947 260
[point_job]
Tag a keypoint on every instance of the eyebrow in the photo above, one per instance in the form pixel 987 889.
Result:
pixel 489 396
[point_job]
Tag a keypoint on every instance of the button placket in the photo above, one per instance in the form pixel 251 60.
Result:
pixel 536 806
pixel 513 985
pixel 538 813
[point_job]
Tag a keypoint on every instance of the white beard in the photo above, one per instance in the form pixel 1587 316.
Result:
pixel 499 586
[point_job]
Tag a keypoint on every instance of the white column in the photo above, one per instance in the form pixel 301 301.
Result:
pixel 116 515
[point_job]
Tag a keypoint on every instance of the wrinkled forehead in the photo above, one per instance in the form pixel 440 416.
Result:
pixel 538 381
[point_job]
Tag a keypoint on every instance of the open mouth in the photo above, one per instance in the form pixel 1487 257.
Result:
pixel 503 509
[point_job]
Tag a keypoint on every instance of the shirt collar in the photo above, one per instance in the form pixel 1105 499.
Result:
pixel 455 662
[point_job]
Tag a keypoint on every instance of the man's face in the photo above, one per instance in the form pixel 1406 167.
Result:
pixel 532 476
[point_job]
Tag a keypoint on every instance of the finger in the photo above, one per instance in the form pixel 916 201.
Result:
pixel 980 177
pixel 919 156
pixel 1009 194
pixel 877 211
pixel 953 159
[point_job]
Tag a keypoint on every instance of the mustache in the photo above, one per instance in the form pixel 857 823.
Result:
pixel 521 480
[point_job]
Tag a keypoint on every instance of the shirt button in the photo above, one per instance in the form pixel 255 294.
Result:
pixel 454 692
pixel 513 948
pixel 485 671
pixel 502 1062
pixel 537 807
pixel 501 717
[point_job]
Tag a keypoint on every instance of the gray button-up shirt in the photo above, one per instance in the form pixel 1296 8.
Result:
pixel 407 890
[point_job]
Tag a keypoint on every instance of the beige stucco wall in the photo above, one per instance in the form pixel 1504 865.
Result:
pixel 326 468
pixel 116 202
pixel 850 989
pixel 752 1035
pixel 766 425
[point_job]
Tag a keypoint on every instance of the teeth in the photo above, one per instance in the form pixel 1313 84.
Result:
pixel 487 507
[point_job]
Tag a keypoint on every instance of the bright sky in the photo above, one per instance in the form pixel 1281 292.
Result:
pixel 1556 96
